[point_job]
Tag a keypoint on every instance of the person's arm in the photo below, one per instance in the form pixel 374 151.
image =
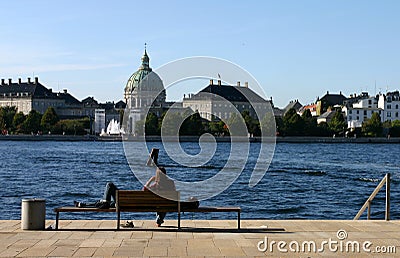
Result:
pixel 153 178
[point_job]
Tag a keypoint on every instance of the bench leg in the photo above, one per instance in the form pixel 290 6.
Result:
pixel 118 219
pixel 239 220
pixel 179 220
pixel 57 216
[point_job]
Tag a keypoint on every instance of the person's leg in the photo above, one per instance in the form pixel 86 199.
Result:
pixel 110 192
pixel 160 218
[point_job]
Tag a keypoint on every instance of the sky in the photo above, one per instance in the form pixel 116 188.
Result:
pixel 294 49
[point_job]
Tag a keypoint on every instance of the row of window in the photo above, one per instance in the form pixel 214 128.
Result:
pixel 390 106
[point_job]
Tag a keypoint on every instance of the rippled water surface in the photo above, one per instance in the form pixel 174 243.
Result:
pixel 304 181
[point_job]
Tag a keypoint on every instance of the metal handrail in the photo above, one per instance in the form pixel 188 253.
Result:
pixel 367 204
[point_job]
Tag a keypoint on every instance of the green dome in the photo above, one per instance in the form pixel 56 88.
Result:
pixel 144 79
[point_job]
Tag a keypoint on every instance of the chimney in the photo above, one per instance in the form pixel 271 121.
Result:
pixel 219 82
pixel 238 83
pixel 65 91
pixel 29 80
pixel 9 81
pixel 36 80
pixel 19 81
pixel 246 84
pixel 211 82
pixel 2 81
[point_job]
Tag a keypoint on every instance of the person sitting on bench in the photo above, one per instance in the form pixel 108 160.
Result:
pixel 160 182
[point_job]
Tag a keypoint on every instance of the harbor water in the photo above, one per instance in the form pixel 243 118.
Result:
pixel 304 181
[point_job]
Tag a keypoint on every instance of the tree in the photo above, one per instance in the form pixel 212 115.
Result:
pixel 49 119
pixel 151 124
pixel 71 126
pixel 268 125
pixel 373 126
pixel 170 122
pixel 395 129
pixel 292 123
pixel 192 125
pixel 337 124
pixel 310 123
pixel 32 122
pixel 6 117
pixel 18 121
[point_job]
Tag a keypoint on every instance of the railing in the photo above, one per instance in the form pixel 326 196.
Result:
pixel 367 204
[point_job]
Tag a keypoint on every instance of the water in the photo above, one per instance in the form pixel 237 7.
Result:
pixel 304 181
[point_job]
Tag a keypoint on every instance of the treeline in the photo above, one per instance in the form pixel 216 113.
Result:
pixel 291 124
pixel 13 122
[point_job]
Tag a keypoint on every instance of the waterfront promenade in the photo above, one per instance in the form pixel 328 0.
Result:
pixel 201 238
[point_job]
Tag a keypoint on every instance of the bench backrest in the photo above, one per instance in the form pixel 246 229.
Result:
pixel 136 200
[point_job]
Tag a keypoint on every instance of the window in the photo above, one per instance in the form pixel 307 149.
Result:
pixel 358 112
pixel 350 118
pixel 350 111
pixel 358 118
pixel 369 102
pixel 389 107
pixel 397 106
pixel 396 114
pixel 365 112
pixel 389 114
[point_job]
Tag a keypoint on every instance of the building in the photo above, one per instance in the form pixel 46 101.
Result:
pixel 390 104
pixel 312 107
pixel 144 92
pixel 26 96
pixel 295 104
pixel 218 101
pixel 329 100
pixel 32 95
pixel 359 108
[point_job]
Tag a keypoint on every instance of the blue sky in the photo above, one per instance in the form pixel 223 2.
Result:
pixel 295 49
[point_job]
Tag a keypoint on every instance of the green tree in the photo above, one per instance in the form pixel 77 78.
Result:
pixel 395 129
pixel 72 126
pixel 49 119
pixel 293 124
pixel 373 126
pixel 6 117
pixel 169 125
pixel 32 122
pixel 310 123
pixel 268 125
pixel 236 126
pixel 18 121
pixel 151 124
pixel 217 127
pixel 337 124
pixel 192 125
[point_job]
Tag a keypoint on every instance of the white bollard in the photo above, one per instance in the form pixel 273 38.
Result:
pixel 33 213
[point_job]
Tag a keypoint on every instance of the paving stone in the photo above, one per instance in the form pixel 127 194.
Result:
pixel 92 243
pixel 85 251
pixel 65 251
pixel 37 251
pixel 152 251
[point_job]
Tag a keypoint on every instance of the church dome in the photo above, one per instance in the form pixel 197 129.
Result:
pixel 144 79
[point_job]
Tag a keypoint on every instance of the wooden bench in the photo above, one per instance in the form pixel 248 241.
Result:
pixel 147 201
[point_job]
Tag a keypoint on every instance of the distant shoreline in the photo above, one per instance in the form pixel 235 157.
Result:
pixel 291 139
